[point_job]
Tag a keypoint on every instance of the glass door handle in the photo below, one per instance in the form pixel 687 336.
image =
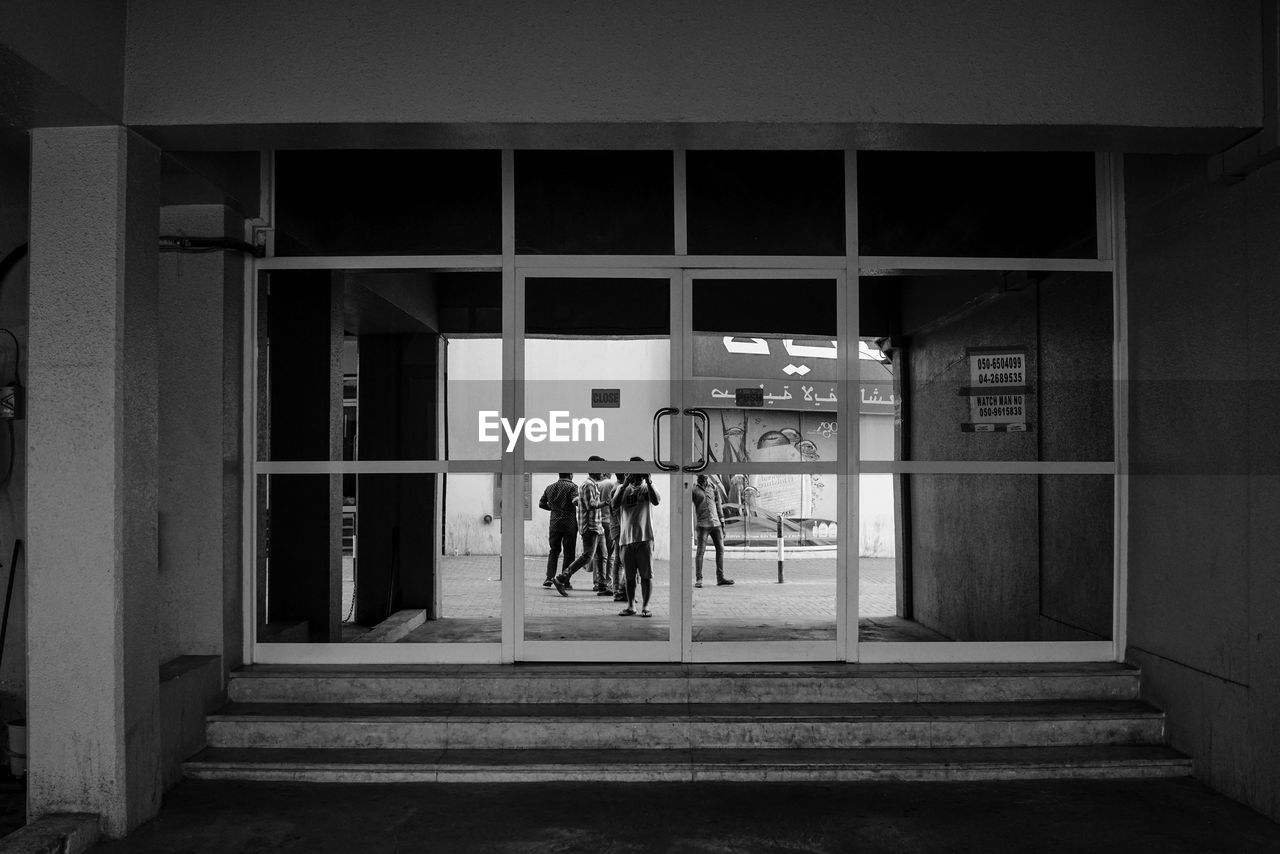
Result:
pixel 706 440
pixel 657 417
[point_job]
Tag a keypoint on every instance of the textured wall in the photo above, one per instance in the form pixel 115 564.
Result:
pixel 1177 64
pixel 201 317
pixel 1204 594
pixel 62 61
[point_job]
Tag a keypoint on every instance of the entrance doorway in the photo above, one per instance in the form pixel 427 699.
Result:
pixel 733 420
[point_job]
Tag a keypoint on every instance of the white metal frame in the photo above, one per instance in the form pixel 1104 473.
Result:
pixel 846 617
pixel 680 265
pixel 603 650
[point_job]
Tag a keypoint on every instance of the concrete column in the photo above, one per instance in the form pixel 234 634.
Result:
pixel 92 489
pixel 201 305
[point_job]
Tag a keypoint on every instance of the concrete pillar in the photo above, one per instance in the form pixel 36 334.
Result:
pixel 92 476
pixel 201 307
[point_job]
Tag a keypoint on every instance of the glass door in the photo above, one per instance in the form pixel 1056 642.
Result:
pixel 764 540
pixel 593 437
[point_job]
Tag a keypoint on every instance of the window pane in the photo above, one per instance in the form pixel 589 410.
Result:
pixel 595 202
pixel 777 337
pixel 1000 205
pixel 1050 395
pixel 597 365
pixel 952 557
pixel 554 545
pixel 402 558
pixel 372 364
pixel 778 595
pixel 388 202
pixel 765 202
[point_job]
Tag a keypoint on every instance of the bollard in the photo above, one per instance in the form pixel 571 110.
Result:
pixel 781 555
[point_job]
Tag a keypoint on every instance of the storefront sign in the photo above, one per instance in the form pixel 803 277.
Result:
pixel 726 394
pixel 795 359
pixel 997 390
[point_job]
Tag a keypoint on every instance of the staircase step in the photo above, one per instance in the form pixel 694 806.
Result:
pixel 831 765
pixel 683 683
pixel 683 725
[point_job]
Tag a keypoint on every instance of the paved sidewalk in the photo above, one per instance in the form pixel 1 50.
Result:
pixel 472 589
pixel 1167 816
pixel 756 607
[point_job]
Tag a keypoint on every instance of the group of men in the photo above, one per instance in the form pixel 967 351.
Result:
pixel 613 519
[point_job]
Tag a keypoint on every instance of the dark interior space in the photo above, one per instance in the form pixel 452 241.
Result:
pixel 974 204
pixel 587 306
pixel 378 336
pixel 766 202
pixel 1003 557
pixel 361 202
pixel 568 202
pixel 800 307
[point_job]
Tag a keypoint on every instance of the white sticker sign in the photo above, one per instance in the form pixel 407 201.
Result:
pixel 997 390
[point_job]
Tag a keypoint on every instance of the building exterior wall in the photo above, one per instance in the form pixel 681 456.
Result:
pixel 1177 76
pixel 931 61
pixel 1204 601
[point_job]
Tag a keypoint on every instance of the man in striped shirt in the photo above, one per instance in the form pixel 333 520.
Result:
pixel 590 527
pixel 611 561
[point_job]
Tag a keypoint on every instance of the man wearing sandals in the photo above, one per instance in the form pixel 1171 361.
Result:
pixel 635 537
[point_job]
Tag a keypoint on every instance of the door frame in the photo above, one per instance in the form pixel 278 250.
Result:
pixel 844 646
pixel 514 539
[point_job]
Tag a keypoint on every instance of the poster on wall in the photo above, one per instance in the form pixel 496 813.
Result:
pixel 778 436
pixel 998 390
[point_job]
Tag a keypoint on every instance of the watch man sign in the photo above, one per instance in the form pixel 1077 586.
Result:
pixel 997 390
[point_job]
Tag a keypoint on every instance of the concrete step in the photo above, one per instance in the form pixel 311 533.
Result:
pixel 683 683
pixel 479 766
pixel 686 726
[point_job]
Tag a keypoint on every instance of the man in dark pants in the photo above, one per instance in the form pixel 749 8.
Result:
pixel 562 532
pixel 709 519
pixel 591 527
pixel 633 500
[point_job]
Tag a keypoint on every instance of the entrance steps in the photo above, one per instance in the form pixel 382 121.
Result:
pixel 821 722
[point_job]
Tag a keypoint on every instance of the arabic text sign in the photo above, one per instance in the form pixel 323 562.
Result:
pixel 795 359
pixel 726 393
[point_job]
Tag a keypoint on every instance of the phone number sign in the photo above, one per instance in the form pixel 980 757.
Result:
pixel 997 390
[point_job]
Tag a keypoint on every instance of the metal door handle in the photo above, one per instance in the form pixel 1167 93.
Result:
pixel 657 416
pixel 706 440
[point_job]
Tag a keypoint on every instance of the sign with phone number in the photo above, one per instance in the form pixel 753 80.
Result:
pixel 997 390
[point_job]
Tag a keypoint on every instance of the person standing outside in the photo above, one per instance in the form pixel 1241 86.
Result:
pixel 633 500
pixel 591 527
pixel 562 532
pixel 710 523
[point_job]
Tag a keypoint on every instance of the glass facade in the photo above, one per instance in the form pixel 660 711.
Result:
pixel 854 449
